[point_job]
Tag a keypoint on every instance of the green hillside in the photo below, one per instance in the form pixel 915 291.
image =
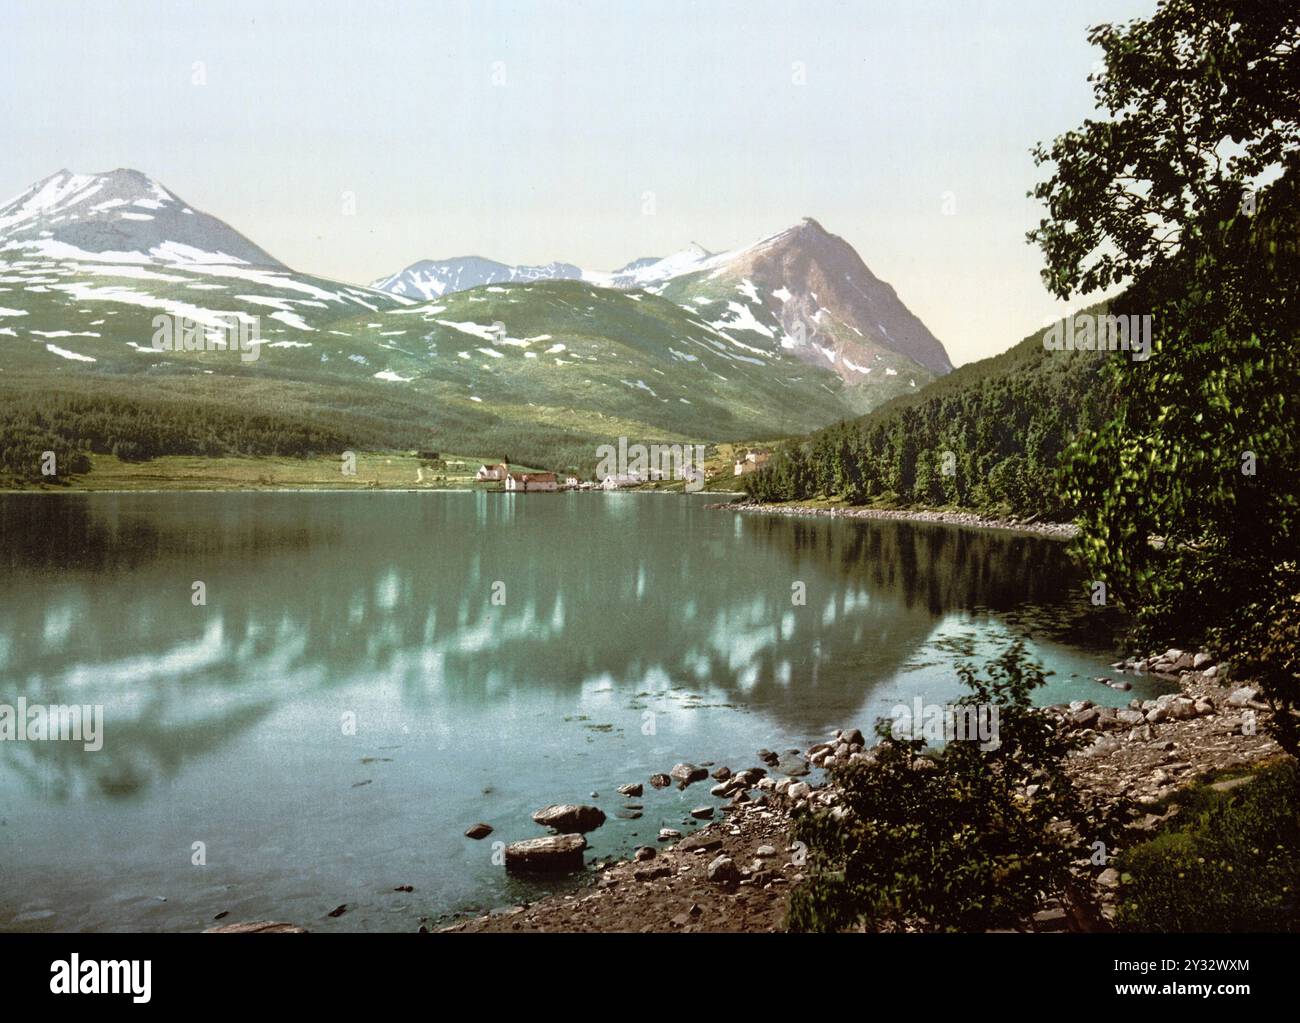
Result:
pixel 570 367
pixel 989 436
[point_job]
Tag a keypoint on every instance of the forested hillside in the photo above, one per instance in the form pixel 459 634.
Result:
pixel 988 436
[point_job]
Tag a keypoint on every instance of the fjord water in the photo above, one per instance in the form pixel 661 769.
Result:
pixel 496 652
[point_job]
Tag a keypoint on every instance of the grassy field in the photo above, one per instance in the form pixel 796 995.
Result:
pixel 374 471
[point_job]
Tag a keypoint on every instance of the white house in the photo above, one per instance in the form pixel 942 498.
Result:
pixel 491 473
pixel 623 479
pixel 526 481
pixel 752 462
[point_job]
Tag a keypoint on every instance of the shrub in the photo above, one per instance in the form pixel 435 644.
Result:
pixel 948 840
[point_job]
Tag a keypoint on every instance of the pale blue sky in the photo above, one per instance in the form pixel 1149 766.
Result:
pixel 697 103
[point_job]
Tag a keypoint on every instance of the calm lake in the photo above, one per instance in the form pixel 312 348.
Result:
pixel 496 653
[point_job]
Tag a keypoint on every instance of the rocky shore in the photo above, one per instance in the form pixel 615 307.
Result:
pixel 1054 530
pixel 736 874
pixel 737 871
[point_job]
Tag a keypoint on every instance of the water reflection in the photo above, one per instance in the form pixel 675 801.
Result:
pixel 465 601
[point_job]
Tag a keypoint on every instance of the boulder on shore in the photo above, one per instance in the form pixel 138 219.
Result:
pixel 570 818
pixel 687 774
pixel 723 870
pixel 479 830
pixel 553 854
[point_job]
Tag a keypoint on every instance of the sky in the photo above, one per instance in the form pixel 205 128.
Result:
pixel 352 139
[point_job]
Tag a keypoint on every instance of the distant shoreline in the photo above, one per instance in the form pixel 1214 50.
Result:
pixel 1051 530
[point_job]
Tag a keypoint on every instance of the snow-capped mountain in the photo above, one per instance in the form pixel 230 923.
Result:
pixel 118 216
pixel 778 338
pixel 809 291
pixel 433 278
pixel 86 257
pixel 802 290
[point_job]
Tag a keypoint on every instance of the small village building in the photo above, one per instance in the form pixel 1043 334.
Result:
pixel 622 479
pixel 517 482
pixel 752 462
pixel 491 473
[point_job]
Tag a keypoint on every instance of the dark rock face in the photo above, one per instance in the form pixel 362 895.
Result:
pixel 479 831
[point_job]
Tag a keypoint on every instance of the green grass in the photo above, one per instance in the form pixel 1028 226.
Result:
pixel 374 470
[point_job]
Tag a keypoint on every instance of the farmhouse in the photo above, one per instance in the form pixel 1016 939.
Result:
pixel 752 462
pixel 526 481
pixel 491 473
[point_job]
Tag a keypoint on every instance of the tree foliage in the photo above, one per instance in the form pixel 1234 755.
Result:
pixel 989 436
pixel 1186 192
pixel 963 839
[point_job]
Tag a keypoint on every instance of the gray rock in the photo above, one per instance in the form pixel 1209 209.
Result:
pixel 631 789
pixel 645 852
pixel 1129 717
pixel 721 774
pixel 1243 697
pixel 570 818
pixel 853 736
pixel 799 790
pixel 723 870
pixel 660 781
pixel 793 766
pixel 688 774
pixel 1202 660
pixel 669 834
pixel 702 813
pixel 1086 718
pixel 554 854
pixel 479 830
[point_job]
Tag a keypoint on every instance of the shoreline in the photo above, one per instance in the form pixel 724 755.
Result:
pixel 1193 735
pixel 1050 530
